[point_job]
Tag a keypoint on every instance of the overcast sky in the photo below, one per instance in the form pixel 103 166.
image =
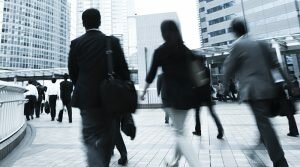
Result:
pixel 186 10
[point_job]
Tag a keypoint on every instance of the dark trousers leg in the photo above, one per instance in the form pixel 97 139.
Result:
pixel 215 117
pixel 60 115
pixel 52 103
pixel 42 107
pixel 69 108
pixel 292 125
pixel 261 109
pixel 37 109
pixel 197 119
pixel 120 144
pixel 99 136
pixel 27 110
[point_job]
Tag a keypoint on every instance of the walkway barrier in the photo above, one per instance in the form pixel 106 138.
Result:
pixel 151 99
pixel 11 109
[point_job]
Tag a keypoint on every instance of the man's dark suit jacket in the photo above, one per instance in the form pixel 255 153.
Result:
pixel 88 67
pixel 66 88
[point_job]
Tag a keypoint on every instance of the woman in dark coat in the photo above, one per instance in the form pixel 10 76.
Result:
pixel 172 58
pixel 204 99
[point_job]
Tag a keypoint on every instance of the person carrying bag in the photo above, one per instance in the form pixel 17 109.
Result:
pixel 117 95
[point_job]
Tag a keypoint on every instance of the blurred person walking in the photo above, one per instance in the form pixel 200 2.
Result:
pixel 66 89
pixel 44 99
pixel 88 68
pixel 293 129
pixel 161 91
pixel 52 94
pixel 232 90
pixel 41 97
pixel 32 95
pixel 220 91
pixel 256 84
pixel 172 57
pixel 203 95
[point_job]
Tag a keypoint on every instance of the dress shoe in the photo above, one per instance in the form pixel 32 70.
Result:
pixel 197 133
pixel 58 120
pixel 293 134
pixel 220 134
pixel 123 160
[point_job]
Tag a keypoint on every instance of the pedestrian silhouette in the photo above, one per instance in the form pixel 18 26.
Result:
pixel 247 60
pixel 87 69
pixel 32 95
pixel 66 89
pixel 203 95
pixel 52 94
pixel 172 57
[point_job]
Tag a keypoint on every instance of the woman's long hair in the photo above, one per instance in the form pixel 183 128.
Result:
pixel 170 32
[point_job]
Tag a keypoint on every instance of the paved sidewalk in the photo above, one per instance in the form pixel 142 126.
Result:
pixel 52 144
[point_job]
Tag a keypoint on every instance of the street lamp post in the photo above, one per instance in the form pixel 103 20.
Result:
pixel 243 10
pixel 146 62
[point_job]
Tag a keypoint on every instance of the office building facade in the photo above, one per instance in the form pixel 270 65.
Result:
pixel 148 39
pixel 34 34
pixel 113 18
pixel 266 19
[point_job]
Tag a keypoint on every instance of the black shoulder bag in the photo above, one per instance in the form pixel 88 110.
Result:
pixel 282 105
pixel 117 96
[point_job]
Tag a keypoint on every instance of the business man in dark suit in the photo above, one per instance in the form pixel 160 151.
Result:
pixel 66 89
pixel 250 62
pixel 87 69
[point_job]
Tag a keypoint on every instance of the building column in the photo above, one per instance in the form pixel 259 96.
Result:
pixel 280 57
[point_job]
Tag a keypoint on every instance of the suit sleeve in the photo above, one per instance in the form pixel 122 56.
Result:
pixel 120 64
pixel 231 64
pixel 72 64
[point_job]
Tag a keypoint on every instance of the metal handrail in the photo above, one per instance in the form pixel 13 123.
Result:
pixel 11 109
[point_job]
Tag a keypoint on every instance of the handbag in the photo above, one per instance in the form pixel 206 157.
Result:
pixel 282 105
pixel 197 71
pixel 128 126
pixel 47 107
pixel 117 96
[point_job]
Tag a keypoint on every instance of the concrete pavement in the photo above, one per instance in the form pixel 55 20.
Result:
pixel 52 144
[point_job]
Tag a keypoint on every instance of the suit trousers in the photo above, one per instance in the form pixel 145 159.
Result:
pixel 66 103
pixel 183 146
pixel 119 141
pixel 52 103
pixel 292 125
pixel 261 109
pixel 29 106
pixel 99 136
pixel 38 108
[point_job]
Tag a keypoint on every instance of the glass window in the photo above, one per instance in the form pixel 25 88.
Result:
pixel 217 33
